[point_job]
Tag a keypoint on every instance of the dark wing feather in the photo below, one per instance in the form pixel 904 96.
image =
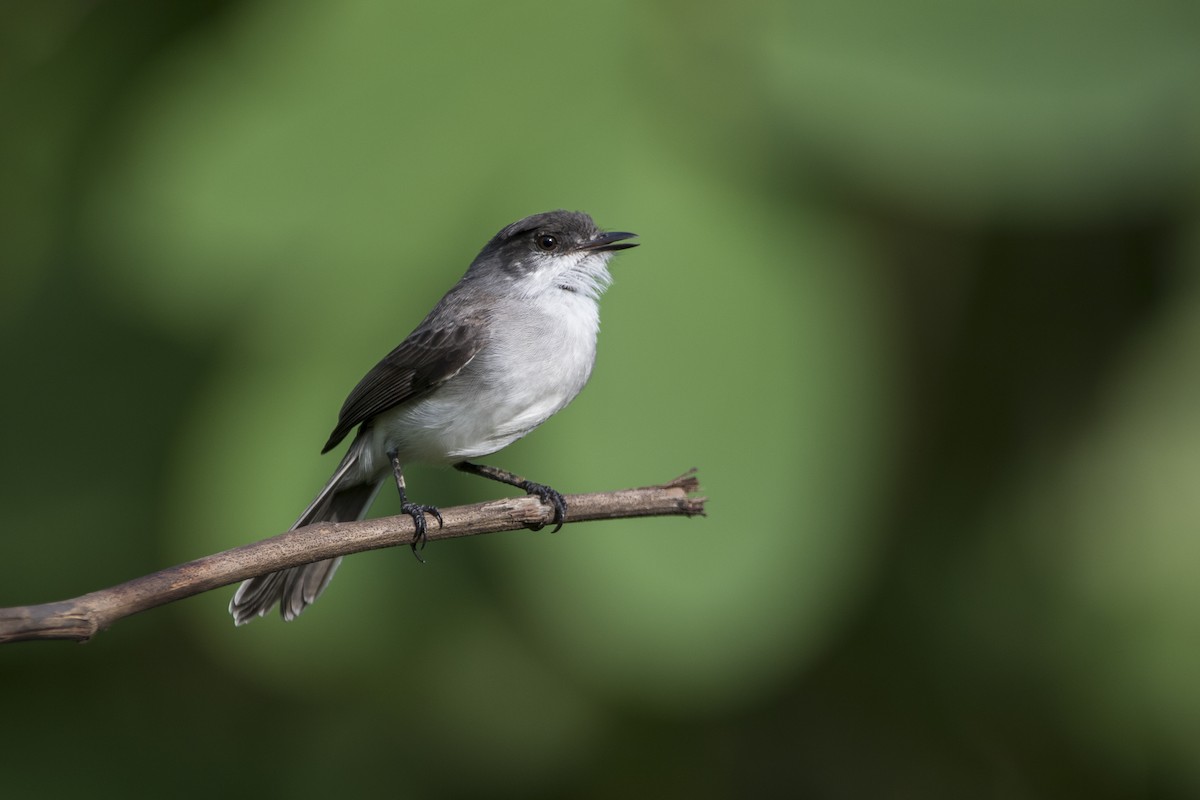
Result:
pixel 431 355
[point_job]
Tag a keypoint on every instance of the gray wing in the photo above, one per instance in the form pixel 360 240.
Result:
pixel 431 355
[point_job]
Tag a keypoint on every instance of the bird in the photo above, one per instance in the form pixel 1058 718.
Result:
pixel 510 345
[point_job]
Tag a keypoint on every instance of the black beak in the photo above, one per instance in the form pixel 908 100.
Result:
pixel 614 240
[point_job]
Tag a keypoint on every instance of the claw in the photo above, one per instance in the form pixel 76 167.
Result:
pixel 418 512
pixel 549 497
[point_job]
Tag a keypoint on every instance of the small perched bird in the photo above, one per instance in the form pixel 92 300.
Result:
pixel 509 346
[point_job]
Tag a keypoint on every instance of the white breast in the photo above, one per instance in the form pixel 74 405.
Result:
pixel 539 357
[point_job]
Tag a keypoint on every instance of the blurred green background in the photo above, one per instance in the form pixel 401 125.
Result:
pixel 918 294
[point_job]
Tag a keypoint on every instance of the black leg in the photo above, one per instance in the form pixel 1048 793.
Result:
pixel 417 512
pixel 547 495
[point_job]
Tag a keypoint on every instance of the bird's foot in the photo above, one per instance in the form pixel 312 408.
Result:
pixel 549 497
pixel 418 512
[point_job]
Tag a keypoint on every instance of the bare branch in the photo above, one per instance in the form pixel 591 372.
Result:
pixel 82 617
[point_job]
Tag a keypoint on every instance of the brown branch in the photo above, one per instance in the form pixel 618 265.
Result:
pixel 81 618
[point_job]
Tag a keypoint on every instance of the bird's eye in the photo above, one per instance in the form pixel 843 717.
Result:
pixel 547 242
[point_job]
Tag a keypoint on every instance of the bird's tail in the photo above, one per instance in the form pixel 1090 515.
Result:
pixel 345 498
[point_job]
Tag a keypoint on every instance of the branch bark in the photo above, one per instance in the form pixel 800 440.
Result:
pixel 80 618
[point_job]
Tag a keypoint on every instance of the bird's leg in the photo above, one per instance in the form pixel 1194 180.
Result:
pixel 547 495
pixel 417 512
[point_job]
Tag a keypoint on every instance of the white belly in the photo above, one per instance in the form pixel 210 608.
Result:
pixel 534 365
